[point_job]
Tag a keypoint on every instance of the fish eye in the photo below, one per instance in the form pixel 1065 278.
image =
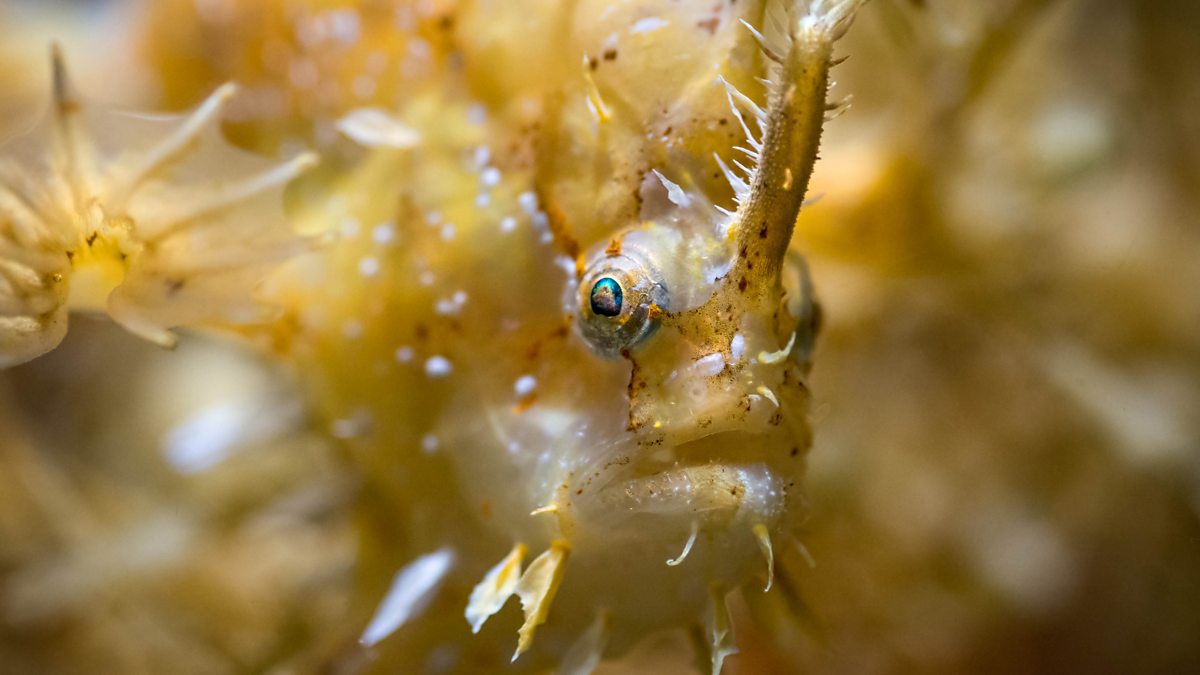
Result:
pixel 620 299
pixel 607 297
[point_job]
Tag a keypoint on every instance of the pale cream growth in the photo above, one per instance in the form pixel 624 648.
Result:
pixel 154 220
pixel 535 587
pixel 595 101
pixel 377 128
pixel 497 587
pixel 780 355
pixel 411 591
pixel 536 590
pixel 719 628
pixel 687 547
pixel 763 535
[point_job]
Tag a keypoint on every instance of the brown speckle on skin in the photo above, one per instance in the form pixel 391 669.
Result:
pixel 525 403
pixel 710 25
pixel 559 227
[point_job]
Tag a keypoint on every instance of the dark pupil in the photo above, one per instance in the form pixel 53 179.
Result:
pixel 606 297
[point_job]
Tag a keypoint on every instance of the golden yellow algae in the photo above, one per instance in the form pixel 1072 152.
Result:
pixel 156 221
pixel 534 331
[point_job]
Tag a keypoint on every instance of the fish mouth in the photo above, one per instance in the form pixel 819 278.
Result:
pixel 710 482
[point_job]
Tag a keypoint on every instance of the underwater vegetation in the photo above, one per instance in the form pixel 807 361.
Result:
pixel 718 353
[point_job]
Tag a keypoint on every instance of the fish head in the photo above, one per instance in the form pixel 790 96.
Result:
pixel 717 359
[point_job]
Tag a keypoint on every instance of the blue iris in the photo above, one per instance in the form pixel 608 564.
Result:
pixel 606 297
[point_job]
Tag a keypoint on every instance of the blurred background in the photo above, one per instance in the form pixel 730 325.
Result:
pixel 1006 471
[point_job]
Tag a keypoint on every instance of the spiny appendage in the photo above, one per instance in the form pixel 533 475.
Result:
pixel 536 587
pixel 175 227
pixel 782 138
pixel 716 636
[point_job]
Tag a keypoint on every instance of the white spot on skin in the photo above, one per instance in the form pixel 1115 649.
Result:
pixel 353 426
pixel 418 48
pixel 384 233
pixel 344 26
pixel 737 347
pixel 710 364
pixel 426 278
pixel 368 267
pixel 404 354
pixel 410 593
pixel 430 444
pixel 451 305
pixel 482 200
pixel 447 232
pixel 508 224
pixel 647 25
pixel 438 366
pixel 343 429
pixel 477 114
pixel 483 154
pixel 433 217
pixel 490 177
pixel 349 228
pixel 524 385
pixel 528 202
pixel 352 329
pixel 566 264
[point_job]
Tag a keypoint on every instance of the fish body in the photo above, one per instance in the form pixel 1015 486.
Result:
pixel 601 404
